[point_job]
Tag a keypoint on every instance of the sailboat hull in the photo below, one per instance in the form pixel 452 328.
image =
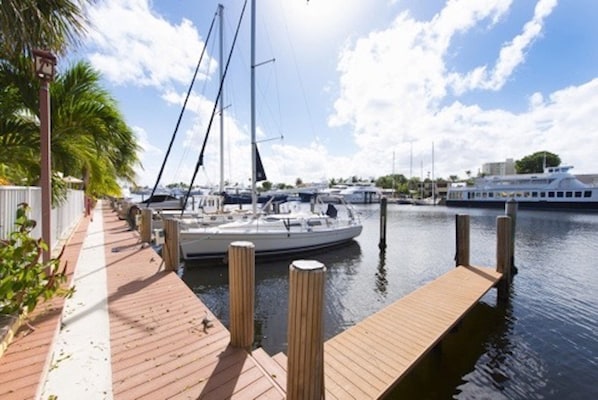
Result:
pixel 214 242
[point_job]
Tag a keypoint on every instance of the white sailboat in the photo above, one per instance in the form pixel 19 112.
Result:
pixel 273 233
pixel 434 200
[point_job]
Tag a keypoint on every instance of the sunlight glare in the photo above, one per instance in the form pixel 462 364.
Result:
pixel 320 19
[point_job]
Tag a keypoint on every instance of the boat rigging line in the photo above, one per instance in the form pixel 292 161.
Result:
pixel 222 78
pixel 203 51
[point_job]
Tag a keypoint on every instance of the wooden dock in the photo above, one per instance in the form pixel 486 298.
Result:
pixel 165 343
pixel 368 359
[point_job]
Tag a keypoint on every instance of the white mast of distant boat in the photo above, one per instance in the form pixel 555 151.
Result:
pixel 433 183
pixel 253 143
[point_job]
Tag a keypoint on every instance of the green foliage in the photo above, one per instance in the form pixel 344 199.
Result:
pixel 90 138
pixel 534 163
pixel 24 280
pixel 47 24
pixel 266 185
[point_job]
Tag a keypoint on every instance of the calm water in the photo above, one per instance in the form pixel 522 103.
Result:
pixel 541 345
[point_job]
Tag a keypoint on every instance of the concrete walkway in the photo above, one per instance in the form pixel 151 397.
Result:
pixel 131 331
pixel 81 353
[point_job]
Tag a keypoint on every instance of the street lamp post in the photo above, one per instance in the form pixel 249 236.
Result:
pixel 45 64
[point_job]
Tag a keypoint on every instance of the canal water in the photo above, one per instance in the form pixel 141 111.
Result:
pixel 542 344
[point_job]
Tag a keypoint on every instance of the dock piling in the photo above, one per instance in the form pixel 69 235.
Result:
pixel 241 276
pixel 171 250
pixel 305 363
pixel 383 207
pixel 503 254
pixel 462 238
pixel 511 207
pixel 146 225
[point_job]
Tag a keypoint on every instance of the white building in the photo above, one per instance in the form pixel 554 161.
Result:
pixel 506 167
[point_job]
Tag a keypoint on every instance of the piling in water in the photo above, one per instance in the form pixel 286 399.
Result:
pixel 511 207
pixel 503 255
pixel 383 207
pixel 462 238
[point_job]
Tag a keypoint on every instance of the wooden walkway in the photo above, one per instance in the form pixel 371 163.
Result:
pixel 368 359
pixel 160 346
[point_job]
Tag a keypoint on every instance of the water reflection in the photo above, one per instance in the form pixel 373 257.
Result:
pixel 210 283
pixel 381 281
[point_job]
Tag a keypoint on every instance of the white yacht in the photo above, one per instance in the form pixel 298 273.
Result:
pixel 361 194
pixel 554 189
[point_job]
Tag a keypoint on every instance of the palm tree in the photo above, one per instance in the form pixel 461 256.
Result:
pixel 52 25
pixel 19 128
pixel 89 136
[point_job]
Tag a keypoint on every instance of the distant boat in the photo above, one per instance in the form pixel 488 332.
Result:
pixel 231 197
pixel 428 201
pixel 361 194
pixel 157 202
pixel 554 189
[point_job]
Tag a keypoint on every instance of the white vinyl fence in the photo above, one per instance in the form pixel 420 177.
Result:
pixel 63 218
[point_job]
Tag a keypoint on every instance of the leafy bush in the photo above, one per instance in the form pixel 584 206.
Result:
pixel 24 280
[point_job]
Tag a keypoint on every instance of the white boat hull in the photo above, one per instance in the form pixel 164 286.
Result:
pixel 205 243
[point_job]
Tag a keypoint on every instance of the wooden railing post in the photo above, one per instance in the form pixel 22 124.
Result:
pixel 171 250
pixel 503 255
pixel 241 277
pixel 146 225
pixel 462 238
pixel 382 243
pixel 305 364
pixel 511 211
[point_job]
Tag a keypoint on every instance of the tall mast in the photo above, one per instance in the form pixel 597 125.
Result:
pixel 421 186
pixel 411 161
pixel 221 21
pixel 433 184
pixel 253 144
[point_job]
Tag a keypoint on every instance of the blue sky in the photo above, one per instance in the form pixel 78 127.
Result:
pixel 357 88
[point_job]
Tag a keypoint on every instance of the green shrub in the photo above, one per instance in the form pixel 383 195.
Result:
pixel 24 280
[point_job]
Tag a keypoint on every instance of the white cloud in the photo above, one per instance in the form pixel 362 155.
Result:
pixel 395 94
pixel 132 45
pixel 511 55
pixel 394 91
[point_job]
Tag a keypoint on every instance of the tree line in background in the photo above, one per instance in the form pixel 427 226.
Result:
pixel 90 139
pixel 533 163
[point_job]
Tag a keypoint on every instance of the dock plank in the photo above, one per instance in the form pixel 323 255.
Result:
pixel 389 343
pixel 271 367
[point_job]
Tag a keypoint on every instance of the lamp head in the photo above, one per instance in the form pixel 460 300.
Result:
pixel 45 64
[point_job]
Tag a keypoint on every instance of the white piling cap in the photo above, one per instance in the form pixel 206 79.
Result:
pixel 307 265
